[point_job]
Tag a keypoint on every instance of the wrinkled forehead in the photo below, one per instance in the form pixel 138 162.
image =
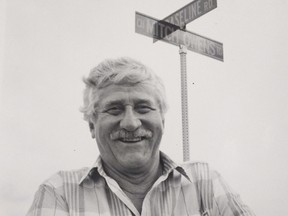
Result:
pixel 137 93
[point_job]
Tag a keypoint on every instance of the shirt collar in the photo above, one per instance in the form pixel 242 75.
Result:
pixel 168 166
pixel 89 173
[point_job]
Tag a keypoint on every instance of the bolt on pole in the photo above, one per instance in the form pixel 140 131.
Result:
pixel 184 103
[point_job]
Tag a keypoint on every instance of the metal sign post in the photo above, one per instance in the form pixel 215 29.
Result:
pixel 172 29
pixel 184 103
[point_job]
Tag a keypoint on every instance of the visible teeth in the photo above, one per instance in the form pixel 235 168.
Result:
pixel 131 139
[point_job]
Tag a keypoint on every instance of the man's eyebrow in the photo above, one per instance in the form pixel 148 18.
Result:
pixel 106 104
pixel 135 102
pixel 144 101
pixel 113 102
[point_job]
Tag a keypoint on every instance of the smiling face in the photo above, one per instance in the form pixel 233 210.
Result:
pixel 128 126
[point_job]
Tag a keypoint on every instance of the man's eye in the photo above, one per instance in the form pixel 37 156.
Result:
pixel 113 110
pixel 143 109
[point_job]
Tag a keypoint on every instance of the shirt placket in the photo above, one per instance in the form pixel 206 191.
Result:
pixel 146 203
pixel 115 188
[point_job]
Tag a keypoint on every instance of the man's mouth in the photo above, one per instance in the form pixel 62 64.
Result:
pixel 131 136
pixel 131 140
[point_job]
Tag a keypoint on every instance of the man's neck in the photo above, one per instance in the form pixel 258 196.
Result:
pixel 136 184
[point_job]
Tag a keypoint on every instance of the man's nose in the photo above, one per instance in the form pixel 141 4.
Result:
pixel 130 122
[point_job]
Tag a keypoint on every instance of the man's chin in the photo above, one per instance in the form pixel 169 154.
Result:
pixel 132 151
pixel 134 161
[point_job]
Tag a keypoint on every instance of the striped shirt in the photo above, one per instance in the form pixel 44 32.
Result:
pixel 190 189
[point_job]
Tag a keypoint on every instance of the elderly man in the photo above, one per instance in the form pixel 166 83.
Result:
pixel 125 105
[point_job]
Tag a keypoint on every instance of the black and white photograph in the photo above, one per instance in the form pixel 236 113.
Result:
pixel 143 108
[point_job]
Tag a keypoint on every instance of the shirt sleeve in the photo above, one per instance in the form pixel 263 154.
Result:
pixel 228 203
pixel 48 203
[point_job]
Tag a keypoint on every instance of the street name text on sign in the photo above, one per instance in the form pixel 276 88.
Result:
pixel 171 33
pixel 191 12
pixel 188 13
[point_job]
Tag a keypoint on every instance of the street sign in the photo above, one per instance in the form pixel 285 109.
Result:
pixel 172 30
pixel 186 14
pixel 191 12
pixel 171 33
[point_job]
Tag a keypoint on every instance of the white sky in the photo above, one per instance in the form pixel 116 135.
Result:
pixel 237 109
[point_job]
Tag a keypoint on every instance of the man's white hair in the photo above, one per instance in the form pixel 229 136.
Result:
pixel 121 71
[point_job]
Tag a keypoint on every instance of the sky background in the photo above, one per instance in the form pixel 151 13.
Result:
pixel 238 118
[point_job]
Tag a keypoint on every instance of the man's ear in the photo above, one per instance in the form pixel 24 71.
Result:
pixel 92 129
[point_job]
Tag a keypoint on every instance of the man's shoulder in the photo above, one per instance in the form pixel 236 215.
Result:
pixel 196 165
pixel 64 177
pixel 199 170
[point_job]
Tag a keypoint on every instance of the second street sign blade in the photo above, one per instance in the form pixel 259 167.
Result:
pixel 145 25
pixel 191 12
pixel 188 13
